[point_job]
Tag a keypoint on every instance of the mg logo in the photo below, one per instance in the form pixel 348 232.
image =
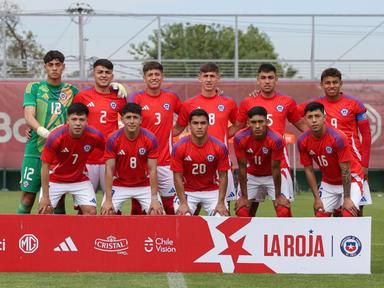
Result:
pixel 28 243
pixel 375 121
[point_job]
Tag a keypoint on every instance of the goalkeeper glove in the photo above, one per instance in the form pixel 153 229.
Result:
pixel 121 91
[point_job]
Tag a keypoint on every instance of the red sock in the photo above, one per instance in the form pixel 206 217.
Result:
pixel 322 214
pixel 168 205
pixel 243 212
pixel 346 213
pixel 136 208
pixel 282 211
pixel 337 212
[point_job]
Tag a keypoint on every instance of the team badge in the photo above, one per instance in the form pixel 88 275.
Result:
pixel 25 184
pixel 265 150
pixel 344 112
pixel 210 158
pixel 142 151
pixel 113 105
pixel 166 106
pixel 87 148
pixel 350 246
pixel 221 107
pixel 62 96
pixel 280 108
pixel 329 149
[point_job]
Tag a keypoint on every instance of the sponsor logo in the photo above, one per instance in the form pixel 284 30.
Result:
pixel 166 106
pixel 121 152
pixel 221 107
pixel 2 244
pixel 280 108
pixel 329 149
pixel 112 245
pixel 188 158
pixel 159 245
pixel 312 153
pixel 249 150
pixel 87 148
pixel 265 150
pixel 363 199
pixel 210 158
pixel 63 96
pixel 145 107
pixel 65 150
pixel 294 245
pixel 350 246
pixel 93 201
pixel 66 246
pixel 344 112
pixel 142 151
pixel 113 105
pixel 91 104
pixel 28 243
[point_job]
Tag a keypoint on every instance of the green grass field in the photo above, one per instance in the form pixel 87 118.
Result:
pixel 302 208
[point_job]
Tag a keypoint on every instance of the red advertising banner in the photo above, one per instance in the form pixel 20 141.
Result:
pixel 12 124
pixel 53 243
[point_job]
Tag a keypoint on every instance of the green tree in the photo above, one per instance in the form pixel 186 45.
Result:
pixel 22 47
pixel 210 42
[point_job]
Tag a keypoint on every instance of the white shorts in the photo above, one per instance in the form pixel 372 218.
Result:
pixel 82 193
pixel 366 199
pixel 332 195
pixel 96 174
pixel 165 182
pixel 207 199
pixel 259 187
pixel 231 191
pixel 122 194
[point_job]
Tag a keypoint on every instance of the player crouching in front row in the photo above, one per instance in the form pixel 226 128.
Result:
pixel 342 181
pixel 196 161
pixel 260 151
pixel 66 153
pixel 131 155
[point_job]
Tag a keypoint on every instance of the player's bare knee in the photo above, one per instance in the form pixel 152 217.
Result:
pixel 88 210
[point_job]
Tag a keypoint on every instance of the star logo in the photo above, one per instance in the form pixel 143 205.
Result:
pixel 235 249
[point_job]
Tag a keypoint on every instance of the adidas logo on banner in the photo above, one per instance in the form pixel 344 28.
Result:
pixel 65 150
pixel 66 246
pixel 121 152
pixel 188 158
pixel 91 104
pixel 145 107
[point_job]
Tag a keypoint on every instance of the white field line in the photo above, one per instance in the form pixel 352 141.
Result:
pixel 176 280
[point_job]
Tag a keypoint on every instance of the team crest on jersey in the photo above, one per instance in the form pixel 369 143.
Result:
pixel 329 149
pixel 87 148
pixel 280 108
pixel 166 106
pixel 265 150
pixel 350 246
pixel 62 96
pixel 25 184
pixel 344 111
pixel 142 151
pixel 221 107
pixel 210 158
pixel 113 105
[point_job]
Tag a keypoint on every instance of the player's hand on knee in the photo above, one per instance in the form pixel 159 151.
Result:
pixel 184 210
pixel 120 89
pixel 45 206
pixel 156 208
pixel 281 200
pixel 221 210
pixel 318 205
pixel 107 209
pixel 350 206
pixel 242 202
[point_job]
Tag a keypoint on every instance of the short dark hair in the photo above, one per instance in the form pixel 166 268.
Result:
pixel 209 67
pixel 131 107
pixel 266 67
pixel 313 106
pixel 257 110
pixel 330 72
pixel 152 65
pixel 103 62
pixel 53 55
pixel 78 109
pixel 198 112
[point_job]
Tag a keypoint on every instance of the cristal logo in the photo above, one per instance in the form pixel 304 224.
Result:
pixel 2 245
pixel 159 244
pixel 111 244
pixel 28 243
pixel 294 245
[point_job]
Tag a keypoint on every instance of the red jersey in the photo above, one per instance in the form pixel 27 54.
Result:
pixel 68 155
pixel 131 169
pixel 279 108
pixel 259 152
pixel 103 115
pixel 328 152
pixel 221 110
pixel 199 164
pixel 157 113
pixel 347 114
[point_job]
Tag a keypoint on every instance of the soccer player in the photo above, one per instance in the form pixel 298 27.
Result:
pixel 221 110
pixel 63 162
pixel 347 114
pixel 280 108
pixel 259 152
pixel 130 169
pixel 342 182
pixel 196 161
pixel 158 108
pixel 104 108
